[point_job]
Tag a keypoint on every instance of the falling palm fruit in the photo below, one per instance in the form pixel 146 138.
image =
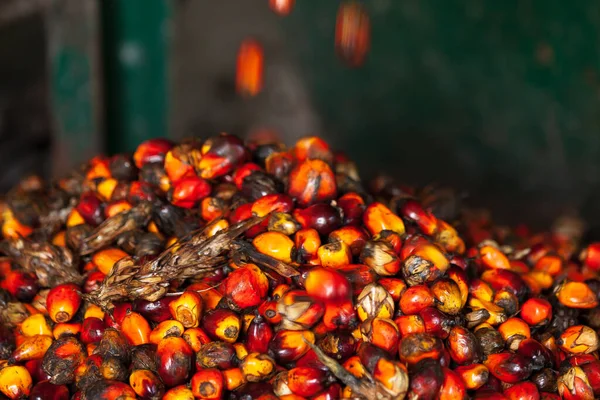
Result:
pixel 250 66
pixel 352 33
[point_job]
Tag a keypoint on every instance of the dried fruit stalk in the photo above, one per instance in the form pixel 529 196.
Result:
pixel 52 264
pixel 150 281
pixel 108 231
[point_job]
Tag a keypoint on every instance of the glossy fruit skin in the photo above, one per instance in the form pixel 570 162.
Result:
pixel 175 364
pixel 15 382
pixel 509 368
pixel 62 302
pixel 47 391
pixel 146 384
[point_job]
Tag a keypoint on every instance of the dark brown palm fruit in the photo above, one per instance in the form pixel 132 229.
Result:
pixel 216 355
pixel 61 358
pixel 144 357
pixel 490 340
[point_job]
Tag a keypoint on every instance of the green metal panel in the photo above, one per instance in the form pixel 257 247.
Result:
pixel 73 45
pixel 498 96
pixel 136 40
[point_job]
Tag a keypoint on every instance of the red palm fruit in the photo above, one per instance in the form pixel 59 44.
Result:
pixel 426 264
pixel 352 205
pixel 166 328
pixel 550 264
pixel 393 376
pixel 118 313
pixel 268 310
pixel 155 311
pixel 592 371
pixel 488 394
pixel 15 382
pixel 500 279
pixel 324 218
pixel 578 339
pixel 577 295
pixel 270 203
pixel 61 359
pixel 307 242
pixel 509 368
pixel 179 393
pixel 146 384
pixel 474 376
pixel 339 346
pixel 312 181
pixel 408 324
pixel 245 287
pixel 353 236
pixel 189 191
pixel 426 379
pixel 381 332
pixel 220 155
pixel 106 259
pixel 493 257
pixel 136 329
pixel 381 257
pixel 394 286
pixel 305 381
pixel 62 302
pixel 298 310
pixel 282 7
pixel 459 276
pixel 392 238
pixel 90 208
pixel 419 346
pixel 257 367
pixel 463 346
pixel 140 191
pixel 259 335
pixel 22 285
pixel 590 256
pixel 47 391
pixel 98 168
pixel 66 329
pixel 549 396
pixel 328 285
pixel 36 371
pixel 250 66
pixel 352 33
pixel 151 151
pixel 208 384
pixel 332 392
pixel 416 298
pixel 93 281
pixel 310 359
pixel 92 330
pixel 436 322
pixel 196 338
pixel 312 148
pixel 424 219
pixel 513 330
pixel 187 309
pixel 175 360
pixel 377 217
pixel 242 172
pixel 522 391
pixel 359 275
pixel 31 348
pixel 453 387
pixel 222 324
pixel 234 378
pixel 212 208
pixel 574 384
pixel 539 357
pixel 288 346
pixel 109 390
pixel 276 245
pixel 220 355
pixel 178 161
pixel 339 316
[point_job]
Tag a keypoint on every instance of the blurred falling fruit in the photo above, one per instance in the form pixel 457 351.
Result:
pixel 250 65
pixel 352 33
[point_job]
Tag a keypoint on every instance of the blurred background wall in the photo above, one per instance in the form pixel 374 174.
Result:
pixel 499 99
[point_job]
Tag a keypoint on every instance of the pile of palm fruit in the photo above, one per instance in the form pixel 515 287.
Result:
pixel 218 269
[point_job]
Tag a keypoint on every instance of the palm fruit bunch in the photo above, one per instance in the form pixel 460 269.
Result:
pixel 218 269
